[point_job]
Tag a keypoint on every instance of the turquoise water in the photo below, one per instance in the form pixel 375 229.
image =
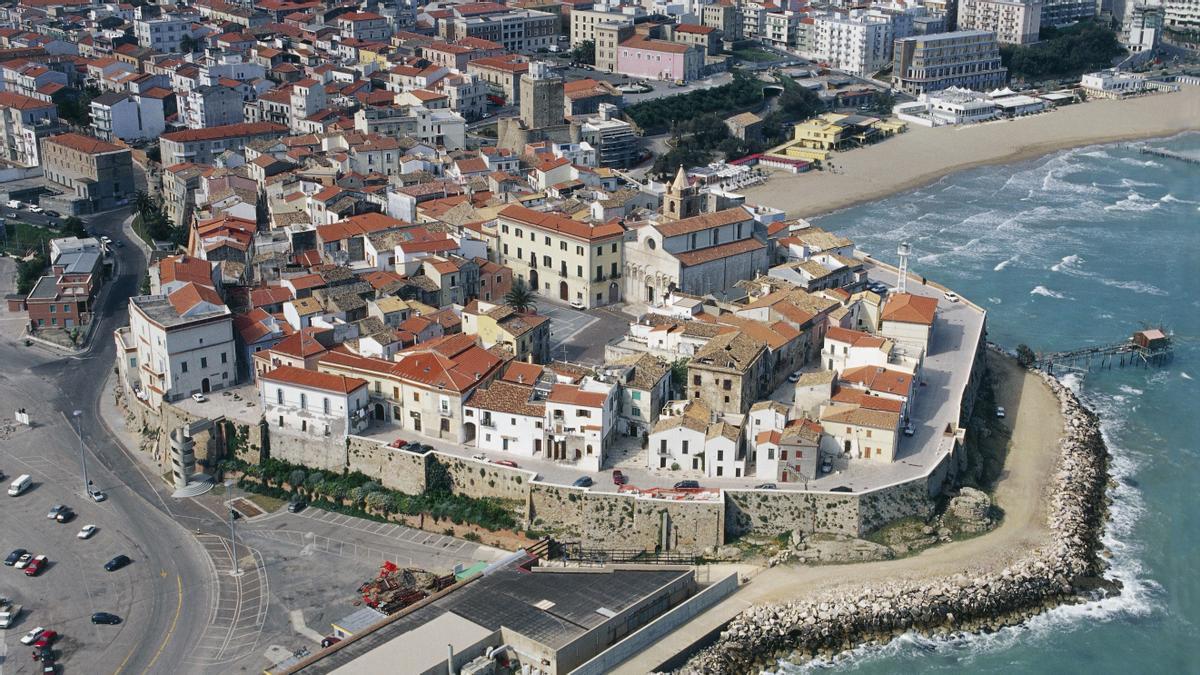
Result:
pixel 1077 248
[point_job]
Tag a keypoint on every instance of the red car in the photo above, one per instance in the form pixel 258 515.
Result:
pixel 619 478
pixel 505 462
pixel 398 443
pixel 35 566
pixel 46 638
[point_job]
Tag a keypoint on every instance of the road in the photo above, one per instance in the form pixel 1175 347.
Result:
pixel 164 595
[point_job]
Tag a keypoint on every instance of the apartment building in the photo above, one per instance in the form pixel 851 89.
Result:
pixel 161 33
pixel 365 26
pixel 560 257
pixel 97 175
pixel 525 334
pixel 128 116
pixel 519 30
pixel 311 403
pixel 24 122
pixel 200 146
pixel 1014 22
pixel 659 60
pixel 857 42
pixel 725 17
pixel 968 59
pixel 615 143
pixel 502 75
pixel 183 344
pixel 585 21
pixel 211 106
pixel 729 373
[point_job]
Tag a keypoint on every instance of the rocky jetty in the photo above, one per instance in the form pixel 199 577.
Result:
pixel 1064 569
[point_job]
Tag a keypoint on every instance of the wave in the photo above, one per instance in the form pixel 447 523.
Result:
pixel 1146 163
pixel 995 301
pixel 1132 391
pixel 1172 199
pixel 1066 263
pixel 1043 291
pixel 1134 202
pixel 1135 286
pixel 1184 375
pixel 1004 263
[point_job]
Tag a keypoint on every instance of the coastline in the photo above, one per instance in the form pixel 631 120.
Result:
pixel 869 174
pixel 1060 564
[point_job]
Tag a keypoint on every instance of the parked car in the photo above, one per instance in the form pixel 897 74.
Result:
pixel 98 496
pixel 951 296
pixel 505 462
pixel 583 481
pixel 577 304
pixel 52 213
pixel 54 510
pixel 24 561
pixel 45 639
pixel 479 456
pixel 117 563
pixel 199 398
pixel 86 531
pixel 619 478
pixel 13 204
pixel 687 485
pixel 794 377
pixel 15 556
pixel 909 430
pixel 44 654
pixel 118 243
pixel 329 641
pixel 65 515
pixel 398 443
pixel 106 618
pixel 1001 412
pixel 827 467
pixel 32 636
pixel 296 506
pixel 35 208
pixel 766 486
pixel 36 566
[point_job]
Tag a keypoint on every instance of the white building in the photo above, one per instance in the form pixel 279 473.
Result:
pixel 580 421
pixel 509 418
pixel 161 33
pixel 24 121
pixel 312 403
pixel 1014 22
pixel 695 439
pixel 184 344
pixel 858 42
pixel 1112 84
pixel 908 321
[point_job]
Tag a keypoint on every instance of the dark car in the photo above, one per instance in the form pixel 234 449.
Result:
pixel 619 478
pixel 687 485
pixel 330 641
pixel 65 515
pixel 296 506
pixel 583 481
pixel 106 618
pixel 766 486
pixel 44 654
pixel 14 556
pixel 117 563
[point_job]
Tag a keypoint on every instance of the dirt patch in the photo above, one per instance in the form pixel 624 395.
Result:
pixel 247 508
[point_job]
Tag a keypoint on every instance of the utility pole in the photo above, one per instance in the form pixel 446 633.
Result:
pixel 237 569
pixel 87 489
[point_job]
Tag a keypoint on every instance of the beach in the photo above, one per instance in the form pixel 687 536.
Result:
pixel 922 155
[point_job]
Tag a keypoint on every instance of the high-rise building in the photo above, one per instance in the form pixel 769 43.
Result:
pixel 966 58
pixel 1015 22
pixel 856 42
pixel 1182 15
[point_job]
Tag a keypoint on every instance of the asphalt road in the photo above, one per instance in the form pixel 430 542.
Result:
pixel 164 596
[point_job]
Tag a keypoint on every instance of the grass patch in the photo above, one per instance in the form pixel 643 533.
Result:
pixel 22 237
pixel 265 502
pixel 755 55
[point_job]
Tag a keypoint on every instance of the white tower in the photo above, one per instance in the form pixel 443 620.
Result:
pixel 902 281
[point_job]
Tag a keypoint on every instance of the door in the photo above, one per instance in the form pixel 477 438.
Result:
pixel 613 293
pixel 650 294
pixel 379 412
pixel 537 446
pixel 533 280
pixel 204 386
pixel 562 290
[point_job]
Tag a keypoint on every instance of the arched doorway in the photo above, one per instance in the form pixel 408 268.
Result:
pixel 380 412
pixel 563 291
pixel 205 387
pixel 533 280
pixel 469 431
pixel 614 293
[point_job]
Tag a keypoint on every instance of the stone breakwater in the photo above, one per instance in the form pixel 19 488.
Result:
pixel 1065 569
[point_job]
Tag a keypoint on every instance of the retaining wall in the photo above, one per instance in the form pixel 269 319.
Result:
pixel 394 469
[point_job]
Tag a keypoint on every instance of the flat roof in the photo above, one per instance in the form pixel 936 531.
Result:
pixel 420 649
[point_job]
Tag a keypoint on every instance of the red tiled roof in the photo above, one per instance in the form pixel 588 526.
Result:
pixel 573 395
pixel 312 379
pixel 226 131
pixel 560 223
pixel 186 269
pixel 909 308
pixel 85 144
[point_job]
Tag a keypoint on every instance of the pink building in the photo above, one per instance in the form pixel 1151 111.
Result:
pixel 658 59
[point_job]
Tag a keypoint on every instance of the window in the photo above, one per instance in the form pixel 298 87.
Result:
pixel 771 453
pixel 66 308
pixel 53 309
pixel 506 249
pixel 416 397
pixel 279 397
pixel 579 270
pixel 727 399
pixel 562 245
pixel 727 385
pixel 520 233
pixel 203 361
pixel 578 250
pixel 636 395
pixel 547 238
pixel 183 366
pixel 662 445
pixel 614 249
pixel 326 405
pixel 684 448
pixel 868 433
pixel 223 358
pixel 304 401
pixel 696 380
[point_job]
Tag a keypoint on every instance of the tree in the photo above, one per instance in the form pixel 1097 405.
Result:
pixel 29 271
pixel 143 202
pixel 188 44
pixel 1025 356
pixel 798 102
pixel 521 298
pixel 583 53
pixel 73 227
pixel 679 375
pixel 883 102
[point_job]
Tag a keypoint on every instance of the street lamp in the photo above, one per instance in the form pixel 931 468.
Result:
pixel 87 490
pixel 237 569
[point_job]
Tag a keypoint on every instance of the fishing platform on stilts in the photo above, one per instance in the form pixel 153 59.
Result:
pixel 1145 348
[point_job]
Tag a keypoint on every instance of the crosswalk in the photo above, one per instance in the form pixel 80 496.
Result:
pixel 239 605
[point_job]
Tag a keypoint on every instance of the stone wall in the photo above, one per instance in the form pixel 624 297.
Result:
pixel 394 469
pixel 473 478
pixel 556 510
pixel 880 507
pixel 771 512
pixel 326 454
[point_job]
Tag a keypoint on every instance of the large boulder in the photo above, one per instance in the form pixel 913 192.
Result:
pixel 972 507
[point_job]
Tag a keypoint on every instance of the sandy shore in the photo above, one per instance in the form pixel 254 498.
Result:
pixel 922 155
pixel 1037 428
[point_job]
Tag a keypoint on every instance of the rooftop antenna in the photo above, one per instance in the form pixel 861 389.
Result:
pixel 902 281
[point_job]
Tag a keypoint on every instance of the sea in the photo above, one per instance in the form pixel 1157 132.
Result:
pixel 1075 248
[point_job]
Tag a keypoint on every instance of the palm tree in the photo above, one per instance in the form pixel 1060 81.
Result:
pixel 521 298
pixel 143 202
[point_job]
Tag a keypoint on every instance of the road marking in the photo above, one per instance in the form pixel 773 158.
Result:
pixel 174 621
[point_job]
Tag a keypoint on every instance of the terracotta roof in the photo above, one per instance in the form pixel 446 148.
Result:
pixel 453 363
pixel 571 394
pixel 312 379
pixel 909 308
pixel 85 144
pixel 520 372
pixel 9 99
pixel 226 131
pixel 863 417
pixel 704 222
pixel 272 295
pixel 712 253
pixel 302 344
pixel 854 338
pixel 694 28
pixel 189 295
pixel 252 325
pixel 639 42
pixel 505 397
pixel 877 378
pixel 561 224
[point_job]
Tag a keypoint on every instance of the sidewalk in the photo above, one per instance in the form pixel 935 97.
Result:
pixel 113 418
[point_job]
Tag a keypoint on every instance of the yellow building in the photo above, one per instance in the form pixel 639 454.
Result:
pixel 527 335
pixel 558 257
pixel 815 139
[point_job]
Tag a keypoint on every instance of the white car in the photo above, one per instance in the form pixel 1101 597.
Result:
pixel 98 496
pixel 577 304
pixel 951 296
pixel 13 204
pixel 199 398
pixel 794 377
pixel 479 456
pixel 23 561
pixel 35 208
pixel 1001 412
pixel 909 430
pixel 32 636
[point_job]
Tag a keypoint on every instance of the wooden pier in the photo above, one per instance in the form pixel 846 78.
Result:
pixel 1169 154
pixel 1145 348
